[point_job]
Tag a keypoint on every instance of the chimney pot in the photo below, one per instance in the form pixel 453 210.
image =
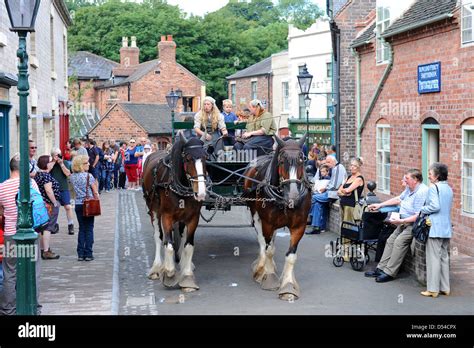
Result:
pixel 163 38
pixel 124 41
pixel 134 41
pixel 170 37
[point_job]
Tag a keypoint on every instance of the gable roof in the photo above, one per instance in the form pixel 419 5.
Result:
pixel 153 118
pixel 87 65
pixel 421 13
pixel 364 38
pixel 140 71
pixel 339 6
pixel 263 67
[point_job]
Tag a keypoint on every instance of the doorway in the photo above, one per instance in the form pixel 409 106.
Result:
pixel 430 146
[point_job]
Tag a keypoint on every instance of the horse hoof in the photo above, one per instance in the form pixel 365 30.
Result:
pixel 170 281
pixel 188 284
pixel 289 292
pixel 154 276
pixel 270 281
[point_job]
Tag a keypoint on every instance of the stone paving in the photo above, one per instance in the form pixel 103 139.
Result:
pixel 116 282
pixel 68 286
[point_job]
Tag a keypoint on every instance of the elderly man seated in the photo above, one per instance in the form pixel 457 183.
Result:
pixel 411 200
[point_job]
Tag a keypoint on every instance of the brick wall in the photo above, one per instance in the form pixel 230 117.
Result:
pixel 451 108
pixel 347 21
pixel 243 90
pixel 116 125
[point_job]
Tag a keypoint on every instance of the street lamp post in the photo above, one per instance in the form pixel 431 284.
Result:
pixel 22 14
pixel 172 100
pixel 307 102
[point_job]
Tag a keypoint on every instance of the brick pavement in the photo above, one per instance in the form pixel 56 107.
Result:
pixel 72 287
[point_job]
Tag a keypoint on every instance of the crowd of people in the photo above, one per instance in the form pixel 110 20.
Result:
pixel 64 180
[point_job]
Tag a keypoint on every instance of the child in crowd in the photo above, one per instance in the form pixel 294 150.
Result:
pixel 229 116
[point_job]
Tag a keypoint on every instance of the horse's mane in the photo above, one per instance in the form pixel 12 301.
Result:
pixel 176 159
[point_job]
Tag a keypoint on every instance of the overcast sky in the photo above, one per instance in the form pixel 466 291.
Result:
pixel 200 7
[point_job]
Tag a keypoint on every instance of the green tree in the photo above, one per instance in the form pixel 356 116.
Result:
pixel 301 13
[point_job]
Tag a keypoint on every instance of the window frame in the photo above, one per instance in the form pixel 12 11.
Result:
pixel 329 69
pixel 253 92
pixel 233 90
pixel 471 212
pixel 384 175
pixel 464 5
pixel 285 100
pixel 381 47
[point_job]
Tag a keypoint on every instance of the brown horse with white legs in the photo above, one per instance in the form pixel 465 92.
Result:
pixel 288 195
pixel 174 188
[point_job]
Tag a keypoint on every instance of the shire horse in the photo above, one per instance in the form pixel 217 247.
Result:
pixel 288 194
pixel 174 189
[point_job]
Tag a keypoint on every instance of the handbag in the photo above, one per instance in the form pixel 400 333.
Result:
pixel 421 227
pixel 91 205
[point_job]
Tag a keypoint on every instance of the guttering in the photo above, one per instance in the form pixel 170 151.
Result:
pixel 358 94
pixel 378 90
pixel 417 25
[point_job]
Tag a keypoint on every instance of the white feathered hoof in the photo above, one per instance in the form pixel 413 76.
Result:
pixel 289 292
pixel 169 281
pixel 188 284
pixel 270 281
pixel 155 271
pixel 258 268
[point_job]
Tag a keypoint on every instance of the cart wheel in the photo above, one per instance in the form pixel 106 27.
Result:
pixel 338 261
pixel 367 258
pixel 357 264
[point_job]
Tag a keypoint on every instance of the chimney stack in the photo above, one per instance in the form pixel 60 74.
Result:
pixel 129 56
pixel 167 50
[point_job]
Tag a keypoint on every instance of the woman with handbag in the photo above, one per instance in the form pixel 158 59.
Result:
pixel 84 186
pixel 438 206
pixel 350 192
pixel 51 193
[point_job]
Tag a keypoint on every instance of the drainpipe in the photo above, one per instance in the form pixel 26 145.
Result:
pixel 358 86
pixel 378 90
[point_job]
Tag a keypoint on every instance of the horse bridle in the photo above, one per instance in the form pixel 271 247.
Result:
pixel 190 178
pixel 283 181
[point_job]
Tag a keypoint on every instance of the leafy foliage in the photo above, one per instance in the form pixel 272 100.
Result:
pixel 212 47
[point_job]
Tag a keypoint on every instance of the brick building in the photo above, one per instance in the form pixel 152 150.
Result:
pixel 416 93
pixel 86 72
pixel 350 18
pixel 47 50
pixel 135 83
pixel 124 121
pixel 253 82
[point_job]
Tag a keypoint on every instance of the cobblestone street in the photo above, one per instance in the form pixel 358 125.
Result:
pixel 116 282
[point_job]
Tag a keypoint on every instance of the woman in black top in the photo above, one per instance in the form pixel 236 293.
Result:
pixel 347 190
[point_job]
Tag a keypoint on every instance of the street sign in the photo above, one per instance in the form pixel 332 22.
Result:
pixel 429 78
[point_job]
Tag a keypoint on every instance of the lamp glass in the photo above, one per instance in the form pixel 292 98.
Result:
pixel 307 101
pixel 22 14
pixel 172 99
pixel 304 80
